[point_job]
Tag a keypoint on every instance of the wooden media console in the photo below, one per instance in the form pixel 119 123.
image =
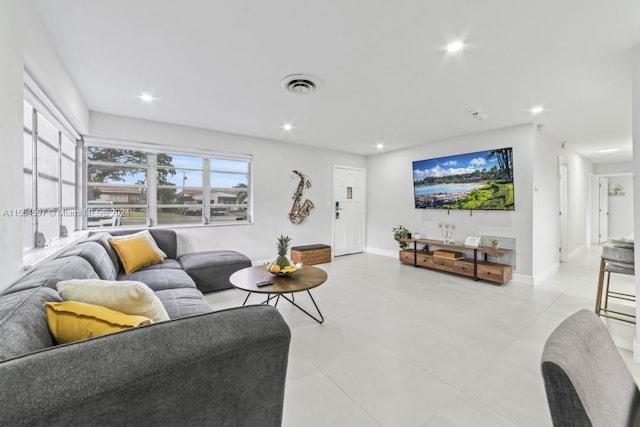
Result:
pixel 458 263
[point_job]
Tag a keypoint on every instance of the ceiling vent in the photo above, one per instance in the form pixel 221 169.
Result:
pixel 300 84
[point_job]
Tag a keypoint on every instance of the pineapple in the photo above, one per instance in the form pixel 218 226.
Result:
pixel 283 246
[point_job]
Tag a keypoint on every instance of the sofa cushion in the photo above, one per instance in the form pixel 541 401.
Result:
pixel 147 236
pixel 71 321
pixel 211 269
pixel 167 263
pixel 49 273
pixel 103 239
pixel 97 256
pixel 165 239
pixel 160 279
pixel 135 253
pixel 23 321
pixel 125 296
pixel 183 302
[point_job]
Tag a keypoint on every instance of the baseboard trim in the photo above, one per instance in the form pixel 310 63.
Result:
pixel 383 252
pixel 523 279
pixel 540 277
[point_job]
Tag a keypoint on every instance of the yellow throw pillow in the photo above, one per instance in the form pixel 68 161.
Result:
pixel 148 236
pixel 135 253
pixel 73 321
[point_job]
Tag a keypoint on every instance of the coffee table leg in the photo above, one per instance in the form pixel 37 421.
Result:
pixel 247 298
pixel 319 320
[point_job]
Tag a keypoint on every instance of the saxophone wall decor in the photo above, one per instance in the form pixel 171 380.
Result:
pixel 300 210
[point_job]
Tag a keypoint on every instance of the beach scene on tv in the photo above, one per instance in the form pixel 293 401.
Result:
pixel 479 181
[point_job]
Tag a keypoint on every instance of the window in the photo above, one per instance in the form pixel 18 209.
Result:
pixel 179 188
pixel 148 187
pixel 49 171
pixel 117 190
pixel 229 188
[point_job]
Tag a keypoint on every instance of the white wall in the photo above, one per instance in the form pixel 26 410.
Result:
pixel 579 201
pixel 273 184
pixel 43 64
pixel 613 168
pixel 11 75
pixel 390 195
pixel 25 45
pixel 621 208
pixel 545 205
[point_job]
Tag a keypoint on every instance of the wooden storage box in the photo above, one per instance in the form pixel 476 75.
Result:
pixel 448 254
pixel 311 254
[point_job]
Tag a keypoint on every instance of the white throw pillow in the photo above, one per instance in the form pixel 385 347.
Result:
pixel 126 296
pixel 148 236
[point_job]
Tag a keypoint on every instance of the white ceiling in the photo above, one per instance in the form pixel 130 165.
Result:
pixel 386 78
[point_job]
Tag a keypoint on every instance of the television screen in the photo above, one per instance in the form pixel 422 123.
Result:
pixel 479 181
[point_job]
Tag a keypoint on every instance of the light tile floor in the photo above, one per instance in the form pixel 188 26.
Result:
pixel 404 346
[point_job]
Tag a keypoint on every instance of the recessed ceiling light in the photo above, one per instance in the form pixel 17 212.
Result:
pixel 380 146
pixel 146 97
pixel 537 110
pixel 287 127
pixel 455 46
pixel 608 150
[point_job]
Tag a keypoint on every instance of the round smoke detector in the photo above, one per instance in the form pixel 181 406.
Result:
pixel 300 84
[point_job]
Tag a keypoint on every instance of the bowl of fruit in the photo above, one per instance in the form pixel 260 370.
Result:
pixel 286 270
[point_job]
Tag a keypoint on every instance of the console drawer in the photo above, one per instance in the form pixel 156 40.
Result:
pixel 444 264
pixel 425 260
pixel 407 257
pixel 499 273
pixel 463 267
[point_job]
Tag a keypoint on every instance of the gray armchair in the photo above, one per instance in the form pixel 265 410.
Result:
pixel 586 381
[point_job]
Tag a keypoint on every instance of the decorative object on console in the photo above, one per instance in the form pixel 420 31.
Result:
pixel 472 241
pixel 299 209
pixel 494 242
pixel 476 181
pixel 444 253
pixel 400 233
pixel 447 232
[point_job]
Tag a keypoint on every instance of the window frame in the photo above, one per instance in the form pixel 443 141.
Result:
pixel 152 204
pixel 66 140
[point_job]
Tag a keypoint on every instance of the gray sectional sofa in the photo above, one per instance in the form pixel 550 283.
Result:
pixel 199 368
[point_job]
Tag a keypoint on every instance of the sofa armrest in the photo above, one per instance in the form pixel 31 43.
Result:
pixel 223 368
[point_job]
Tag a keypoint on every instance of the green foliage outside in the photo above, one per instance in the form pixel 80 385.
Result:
pixel 495 195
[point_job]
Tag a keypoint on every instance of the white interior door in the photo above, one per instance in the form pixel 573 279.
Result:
pixel 603 210
pixel 349 210
pixel 562 215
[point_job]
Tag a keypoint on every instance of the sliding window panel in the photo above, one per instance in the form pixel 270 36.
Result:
pixel 229 196
pixel 179 189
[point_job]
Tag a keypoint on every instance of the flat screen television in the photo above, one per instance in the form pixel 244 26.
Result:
pixel 476 181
